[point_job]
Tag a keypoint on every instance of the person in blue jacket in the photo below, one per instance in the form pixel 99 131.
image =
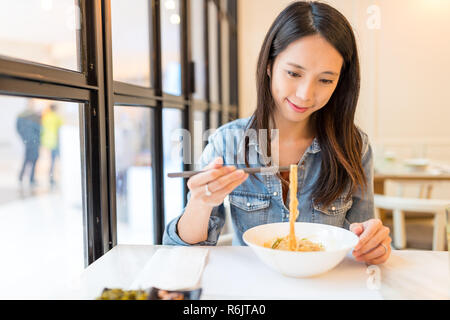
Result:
pixel 308 82
pixel 28 126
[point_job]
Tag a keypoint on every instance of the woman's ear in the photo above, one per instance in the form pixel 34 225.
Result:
pixel 269 69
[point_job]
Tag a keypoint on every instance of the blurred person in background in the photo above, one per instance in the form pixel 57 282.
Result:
pixel 51 123
pixel 28 126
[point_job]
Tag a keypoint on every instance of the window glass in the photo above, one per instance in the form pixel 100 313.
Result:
pixel 45 31
pixel 131 41
pixel 213 52
pixel 198 47
pixel 134 193
pixel 225 63
pixel 199 141
pixel 214 119
pixel 174 151
pixel 225 57
pixel 171 46
pixel 41 206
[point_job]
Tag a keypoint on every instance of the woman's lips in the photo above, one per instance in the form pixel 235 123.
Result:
pixel 296 108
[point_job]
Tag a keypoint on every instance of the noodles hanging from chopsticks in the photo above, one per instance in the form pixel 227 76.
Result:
pixel 293 206
pixel 290 241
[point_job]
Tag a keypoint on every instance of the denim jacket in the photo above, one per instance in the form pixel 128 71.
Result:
pixel 257 202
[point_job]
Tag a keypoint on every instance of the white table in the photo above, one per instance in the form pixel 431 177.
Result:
pixel 236 273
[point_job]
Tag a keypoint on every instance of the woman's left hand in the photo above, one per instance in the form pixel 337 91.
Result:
pixel 374 246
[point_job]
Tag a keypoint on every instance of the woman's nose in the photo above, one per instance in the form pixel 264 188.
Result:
pixel 305 90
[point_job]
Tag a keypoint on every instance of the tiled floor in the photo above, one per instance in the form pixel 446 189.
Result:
pixel 8 195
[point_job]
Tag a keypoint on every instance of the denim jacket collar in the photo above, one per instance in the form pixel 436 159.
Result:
pixel 313 148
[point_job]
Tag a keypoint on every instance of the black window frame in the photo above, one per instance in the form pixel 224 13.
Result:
pixel 94 87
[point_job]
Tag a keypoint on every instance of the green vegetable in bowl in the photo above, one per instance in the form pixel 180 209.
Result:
pixel 276 243
pixel 119 294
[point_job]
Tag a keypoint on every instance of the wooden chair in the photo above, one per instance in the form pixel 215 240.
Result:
pixel 399 205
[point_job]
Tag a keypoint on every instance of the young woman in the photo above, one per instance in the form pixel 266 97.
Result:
pixel 308 84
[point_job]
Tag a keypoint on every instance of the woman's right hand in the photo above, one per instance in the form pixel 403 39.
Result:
pixel 220 180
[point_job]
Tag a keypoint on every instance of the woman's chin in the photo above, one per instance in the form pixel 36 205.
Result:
pixel 288 115
pixel 293 116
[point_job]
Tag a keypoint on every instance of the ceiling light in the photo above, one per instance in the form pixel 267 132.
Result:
pixel 175 19
pixel 169 4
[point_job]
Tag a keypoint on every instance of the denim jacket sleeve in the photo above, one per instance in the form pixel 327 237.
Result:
pixel 217 218
pixel 363 207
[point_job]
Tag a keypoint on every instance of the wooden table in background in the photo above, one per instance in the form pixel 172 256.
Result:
pixel 381 178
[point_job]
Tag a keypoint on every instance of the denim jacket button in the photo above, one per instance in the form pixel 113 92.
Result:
pixel 248 204
pixel 275 193
pixel 333 208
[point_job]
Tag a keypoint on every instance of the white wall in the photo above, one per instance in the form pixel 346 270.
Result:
pixel 405 69
pixel 413 58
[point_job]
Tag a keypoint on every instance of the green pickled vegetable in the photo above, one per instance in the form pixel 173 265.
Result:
pixel 276 243
pixel 119 294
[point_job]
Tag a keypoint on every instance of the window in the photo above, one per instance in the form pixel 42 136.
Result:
pixel 199 138
pixel 214 119
pixel 41 205
pixel 197 28
pixel 225 62
pixel 213 52
pixel 134 196
pixel 131 42
pixel 44 31
pixel 112 74
pixel 174 150
pixel 171 47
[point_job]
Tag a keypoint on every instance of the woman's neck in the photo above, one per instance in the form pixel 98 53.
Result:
pixel 290 142
pixel 293 132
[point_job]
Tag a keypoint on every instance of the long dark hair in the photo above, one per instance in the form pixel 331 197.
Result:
pixel 340 140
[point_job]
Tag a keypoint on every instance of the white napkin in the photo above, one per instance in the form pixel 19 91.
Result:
pixel 178 268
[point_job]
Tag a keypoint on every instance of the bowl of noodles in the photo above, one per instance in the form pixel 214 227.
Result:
pixel 315 248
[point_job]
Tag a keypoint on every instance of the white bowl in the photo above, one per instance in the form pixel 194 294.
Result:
pixel 337 242
pixel 417 164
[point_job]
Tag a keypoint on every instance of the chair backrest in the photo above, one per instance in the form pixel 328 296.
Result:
pixel 410 204
pixel 423 189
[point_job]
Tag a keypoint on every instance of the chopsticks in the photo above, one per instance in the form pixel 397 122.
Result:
pixel 188 174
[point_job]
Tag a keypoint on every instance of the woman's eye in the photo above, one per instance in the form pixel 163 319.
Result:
pixel 293 74
pixel 326 81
